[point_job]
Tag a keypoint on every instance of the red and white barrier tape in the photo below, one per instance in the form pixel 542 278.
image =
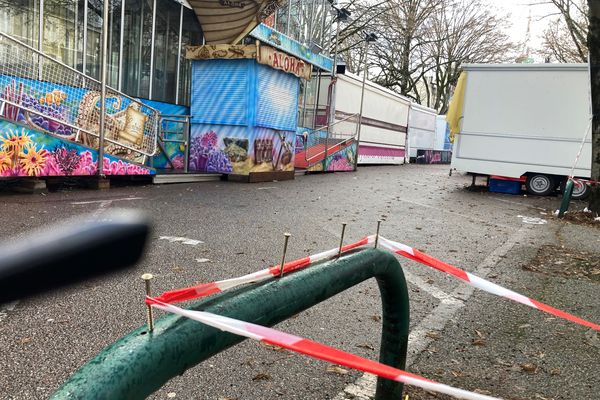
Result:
pixel 315 350
pixel 207 289
pixel 480 283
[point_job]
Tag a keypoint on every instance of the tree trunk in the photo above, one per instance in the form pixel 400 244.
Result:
pixel 594 49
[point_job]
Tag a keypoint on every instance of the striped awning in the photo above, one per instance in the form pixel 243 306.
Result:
pixel 229 21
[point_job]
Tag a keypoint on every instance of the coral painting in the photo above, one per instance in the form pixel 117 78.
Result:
pixel 240 150
pixel 61 110
pixel 205 154
pixel 26 152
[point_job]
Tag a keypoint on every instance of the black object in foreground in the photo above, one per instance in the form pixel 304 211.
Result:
pixel 71 253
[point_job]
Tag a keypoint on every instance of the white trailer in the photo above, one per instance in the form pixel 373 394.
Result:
pixel 421 133
pixel 384 123
pixel 524 121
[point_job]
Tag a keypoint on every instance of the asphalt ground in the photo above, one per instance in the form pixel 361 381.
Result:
pixel 519 353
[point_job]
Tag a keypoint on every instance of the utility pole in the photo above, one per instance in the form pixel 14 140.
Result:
pixel 594 51
pixel 103 70
pixel 341 15
pixel 369 37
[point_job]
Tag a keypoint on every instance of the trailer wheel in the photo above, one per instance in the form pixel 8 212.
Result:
pixel 540 184
pixel 580 190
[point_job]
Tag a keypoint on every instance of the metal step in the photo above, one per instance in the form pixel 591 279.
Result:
pixel 159 179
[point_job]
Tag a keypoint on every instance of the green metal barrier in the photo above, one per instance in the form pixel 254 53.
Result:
pixel 139 364
pixel 566 198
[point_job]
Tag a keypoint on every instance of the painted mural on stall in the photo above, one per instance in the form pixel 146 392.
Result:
pixel 240 150
pixel 244 117
pixel 58 106
pixel 171 156
pixel 310 152
pixel 29 152
pixel 433 157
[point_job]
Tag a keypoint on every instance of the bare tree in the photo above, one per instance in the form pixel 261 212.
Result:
pixel 465 31
pixel 399 55
pixel 365 18
pixel 422 44
pixel 565 39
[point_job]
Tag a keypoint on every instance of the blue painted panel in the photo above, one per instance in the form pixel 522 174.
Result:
pixel 167 108
pixel 277 99
pixel 220 92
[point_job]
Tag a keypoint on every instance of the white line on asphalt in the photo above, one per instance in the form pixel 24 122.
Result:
pixel 78 203
pixel 364 387
pixel 184 240
pixel 429 288
pixel 267 188
pixel 6 308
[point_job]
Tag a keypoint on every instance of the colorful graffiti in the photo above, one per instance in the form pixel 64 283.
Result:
pixel 310 151
pixel 52 102
pixel 172 151
pixel 28 152
pixel 231 149
pixel 244 117
pixel 342 160
pixel 433 157
pixel 55 108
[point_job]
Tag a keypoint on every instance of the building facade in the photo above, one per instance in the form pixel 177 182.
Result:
pixel 146 41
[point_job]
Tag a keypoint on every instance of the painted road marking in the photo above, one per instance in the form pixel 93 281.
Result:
pixel 532 220
pixel 6 308
pixel 78 203
pixel 184 240
pixel 364 387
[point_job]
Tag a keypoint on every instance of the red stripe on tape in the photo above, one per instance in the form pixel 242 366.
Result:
pixel 352 246
pixel 565 315
pixel 290 266
pixel 340 357
pixel 179 295
pixel 435 263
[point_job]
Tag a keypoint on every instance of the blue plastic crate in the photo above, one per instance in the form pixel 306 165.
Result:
pixel 504 186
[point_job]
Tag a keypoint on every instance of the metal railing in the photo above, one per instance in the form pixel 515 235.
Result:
pixel 331 136
pixel 46 94
pixel 341 144
pixel 128 368
pixel 175 129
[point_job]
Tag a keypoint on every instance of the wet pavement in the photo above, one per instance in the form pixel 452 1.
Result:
pixel 459 336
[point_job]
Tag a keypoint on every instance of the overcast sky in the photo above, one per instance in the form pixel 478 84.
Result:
pixel 519 10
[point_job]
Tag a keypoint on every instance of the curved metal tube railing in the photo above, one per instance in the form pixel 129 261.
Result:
pixel 140 363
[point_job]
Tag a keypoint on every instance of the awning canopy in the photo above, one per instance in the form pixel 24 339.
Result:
pixel 229 21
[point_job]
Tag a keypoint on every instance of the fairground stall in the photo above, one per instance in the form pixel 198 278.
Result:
pixel 54 122
pixel 244 108
pixel 332 144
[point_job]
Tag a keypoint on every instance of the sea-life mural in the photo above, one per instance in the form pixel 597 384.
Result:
pixel 229 149
pixel 28 152
pixel 206 155
pixel 56 109
pixel 52 103
pixel 170 154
